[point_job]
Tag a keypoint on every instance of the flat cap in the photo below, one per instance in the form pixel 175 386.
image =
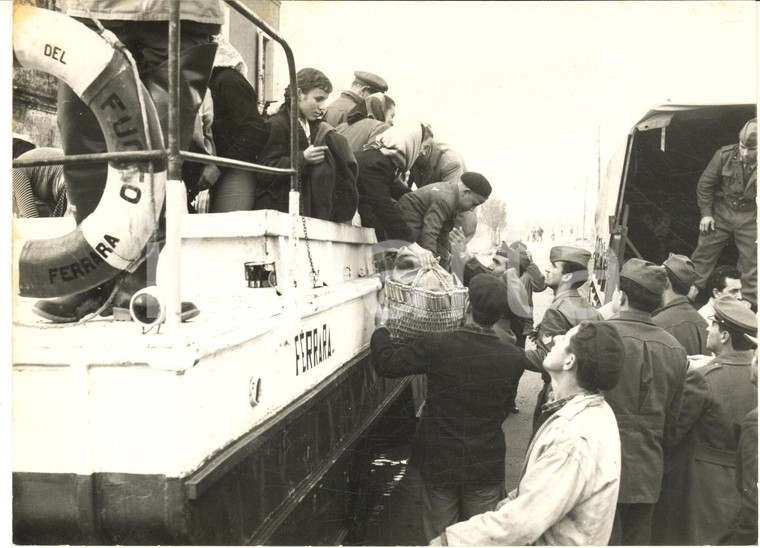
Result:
pixel 477 183
pixel 682 267
pixel 488 295
pixel 748 134
pixel 735 315
pixel 570 254
pixel 371 80
pixel 648 275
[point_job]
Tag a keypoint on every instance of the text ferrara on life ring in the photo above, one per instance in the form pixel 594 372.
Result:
pixel 113 237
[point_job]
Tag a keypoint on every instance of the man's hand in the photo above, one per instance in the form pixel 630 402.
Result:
pixel 457 238
pixel 314 155
pixel 706 224
pixel 426 258
pixel 209 175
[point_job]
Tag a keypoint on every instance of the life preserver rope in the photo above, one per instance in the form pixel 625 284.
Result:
pixel 112 238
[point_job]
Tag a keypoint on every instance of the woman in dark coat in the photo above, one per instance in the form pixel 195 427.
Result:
pixel 382 166
pixel 239 130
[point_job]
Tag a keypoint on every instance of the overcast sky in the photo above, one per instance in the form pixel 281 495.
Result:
pixel 522 89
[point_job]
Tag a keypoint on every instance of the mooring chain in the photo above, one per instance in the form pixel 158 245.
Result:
pixel 314 274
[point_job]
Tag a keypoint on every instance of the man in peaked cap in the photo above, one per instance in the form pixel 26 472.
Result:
pixel 459 446
pixel 364 85
pixel 646 400
pixel 430 211
pixel 568 271
pixel 726 195
pixel 677 316
pixel 699 507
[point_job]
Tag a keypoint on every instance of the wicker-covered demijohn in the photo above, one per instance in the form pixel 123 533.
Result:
pixel 413 311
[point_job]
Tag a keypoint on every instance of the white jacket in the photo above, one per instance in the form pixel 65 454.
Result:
pixel 569 486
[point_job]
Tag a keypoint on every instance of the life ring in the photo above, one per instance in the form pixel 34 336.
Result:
pixel 112 238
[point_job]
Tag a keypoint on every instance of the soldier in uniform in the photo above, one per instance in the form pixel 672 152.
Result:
pixel 726 195
pixel 364 85
pixel 698 509
pixel 568 271
pixel 677 316
pixel 646 400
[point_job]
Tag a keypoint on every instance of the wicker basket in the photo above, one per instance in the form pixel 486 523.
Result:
pixel 413 311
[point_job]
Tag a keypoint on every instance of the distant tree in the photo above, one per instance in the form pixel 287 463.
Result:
pixel 493 213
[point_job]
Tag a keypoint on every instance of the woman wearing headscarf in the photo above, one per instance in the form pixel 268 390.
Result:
pixel 239 130
pixel 368 120
pixel 382 166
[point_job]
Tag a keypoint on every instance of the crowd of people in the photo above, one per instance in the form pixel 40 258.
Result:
pixel 645 431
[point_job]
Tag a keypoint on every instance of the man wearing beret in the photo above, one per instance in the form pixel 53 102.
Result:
pixel 459 446
pixel 364 85
pixel 726 195
pixel 647 399
pixel 677 316
pixel 568 271
pixel 569 485
pixel 430 211
pixel 699 507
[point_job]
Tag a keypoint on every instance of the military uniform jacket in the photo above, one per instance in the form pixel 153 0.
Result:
pixel 337 111
pixel 567 310
pixel 724 177
pixel 429 212
pixel 646 402
pixel 716 399
pixel 459 438
pixel 685 323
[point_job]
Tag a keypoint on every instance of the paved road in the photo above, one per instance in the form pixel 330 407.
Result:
pixel 396 519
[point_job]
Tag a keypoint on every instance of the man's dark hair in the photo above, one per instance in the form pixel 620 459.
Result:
pixel 580 273
pixel 638 297
pixel 676 283
pixel 738 341
pixel 480 318
pixel 718 277
pixel 311 78
pixel 598 351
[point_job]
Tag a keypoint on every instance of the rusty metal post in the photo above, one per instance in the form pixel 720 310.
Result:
pixel 175 188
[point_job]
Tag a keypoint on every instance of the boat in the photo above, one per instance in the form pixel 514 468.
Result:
pixel 247 424
pixel 647 205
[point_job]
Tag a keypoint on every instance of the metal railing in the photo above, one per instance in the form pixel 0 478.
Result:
pixel 175 188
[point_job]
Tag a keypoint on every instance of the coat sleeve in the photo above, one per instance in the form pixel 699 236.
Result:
pixel 432 225
pixel 746 523
pixel 252 131
pixel 552 324
pixel 548 491
pixel 517 296
pixel 711 177
pixel 276 152
pixel 391 361
pixel 692 405
pixel 535 278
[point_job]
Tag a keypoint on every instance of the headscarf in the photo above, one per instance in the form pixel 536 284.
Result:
pixel 402 142
pixel 228 56
pixel 376 106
